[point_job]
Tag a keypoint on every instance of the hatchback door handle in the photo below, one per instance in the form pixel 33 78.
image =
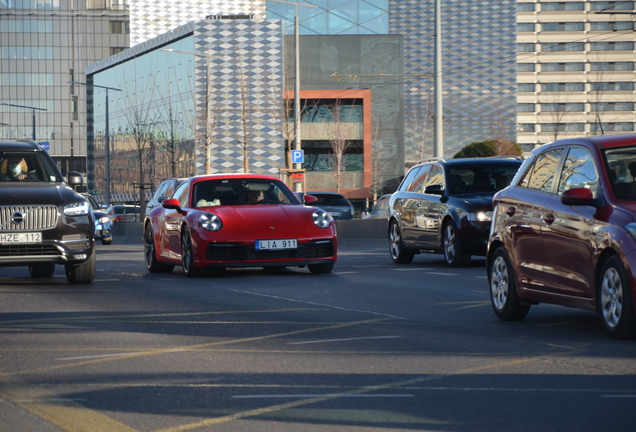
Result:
pixel 548 219
pixel 510 211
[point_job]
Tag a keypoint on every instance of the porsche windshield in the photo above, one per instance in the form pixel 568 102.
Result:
pixel 241 191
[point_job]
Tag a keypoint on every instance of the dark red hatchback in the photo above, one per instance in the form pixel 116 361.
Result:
pixel 564 232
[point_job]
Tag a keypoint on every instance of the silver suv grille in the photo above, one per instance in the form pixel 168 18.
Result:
pixel 26 218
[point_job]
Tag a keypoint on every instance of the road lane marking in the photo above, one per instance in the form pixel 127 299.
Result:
pixel 346 272
pixel 274 396
pixel 412 269
pixel 443 274
pixel 96 356
pixel 618 396
pixel 345 339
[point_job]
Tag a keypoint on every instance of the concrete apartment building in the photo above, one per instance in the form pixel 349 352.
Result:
pixel 44 44
pixel 576 69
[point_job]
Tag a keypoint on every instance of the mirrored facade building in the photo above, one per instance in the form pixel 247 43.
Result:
pixel 217 78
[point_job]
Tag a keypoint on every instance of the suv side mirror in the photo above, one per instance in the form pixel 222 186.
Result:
pixel 74 178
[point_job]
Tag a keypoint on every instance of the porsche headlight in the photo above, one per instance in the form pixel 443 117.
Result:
pixel 76 209
pixel 103 219
pixel 210 222
pixel 321 218
pixel 480 216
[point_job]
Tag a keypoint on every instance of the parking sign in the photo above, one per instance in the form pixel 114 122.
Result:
pixel 298 156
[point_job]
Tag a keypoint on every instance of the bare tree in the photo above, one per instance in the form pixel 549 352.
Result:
pixel 339 130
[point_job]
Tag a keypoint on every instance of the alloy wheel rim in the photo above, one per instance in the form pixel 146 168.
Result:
pixel 149 246
pixel 185 246
pixel 395 241
pixel 499 283
pixel 449 243
pixel 612 297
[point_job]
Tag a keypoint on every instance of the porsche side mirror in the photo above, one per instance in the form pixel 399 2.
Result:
pixel 172 204
pixel 310 199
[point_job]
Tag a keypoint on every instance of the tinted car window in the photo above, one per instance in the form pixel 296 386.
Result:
pixel 436 177
pixel 409 179
pixel 33 166
pixel 244 191
pixel 420 181
pixel 330 199
pixel 578 171
pixel 479 179
pixel 541 175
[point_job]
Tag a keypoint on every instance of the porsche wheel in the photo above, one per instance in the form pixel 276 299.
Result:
pixel 187 255
pixel 150 253
pixel 41 270
pixel 615 301
pixel 320 268
pixel 453 251
pixel 503 291
pixel 399 254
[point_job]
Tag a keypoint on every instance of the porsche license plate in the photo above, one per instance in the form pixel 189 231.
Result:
pixel 276 244
pixel 20 238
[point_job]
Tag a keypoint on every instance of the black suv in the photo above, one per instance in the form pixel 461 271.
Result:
pixel 445 206
pixel 43 221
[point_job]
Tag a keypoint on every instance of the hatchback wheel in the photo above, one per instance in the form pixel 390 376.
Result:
pixel 615 301
pixel 150 253
pixel 187 255
pixel 453 251
pixel 399 254
pixel 503 292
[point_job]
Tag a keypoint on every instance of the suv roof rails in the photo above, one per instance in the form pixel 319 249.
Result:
pixel 29 141
pixel 507 157
pixel 432 159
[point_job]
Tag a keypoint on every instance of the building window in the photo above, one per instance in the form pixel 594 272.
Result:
pixel 525 87
pixel 75 107
pixel 613 127
pixel 26 26
pixel 526 67
pixel 612 66
pixel 562 6
pixel 525 107
pixel 559 87
pixel 119 27
pixel 31 4
pixel 562 107
pixel 526 127
pixel 612 86
pixel 526 47
pixel 560 67
pixel 563 46
pixel 612 106
pixel 612 5
pixel 525 7
pixel 26 79
pixel 562 127
pixel 115 50
pixel 567 26
pixel 612 46
pixel 525 27
pixel 612 26
pixel 26 53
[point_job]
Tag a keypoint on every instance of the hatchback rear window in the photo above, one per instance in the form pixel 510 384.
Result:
pixel 328 199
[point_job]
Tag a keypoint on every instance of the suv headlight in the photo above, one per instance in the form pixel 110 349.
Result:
pixel 480 216
pixel 76 209
pixel 322 219
pixel 210 222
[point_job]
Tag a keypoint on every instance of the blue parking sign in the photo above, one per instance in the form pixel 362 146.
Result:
pixel 298 156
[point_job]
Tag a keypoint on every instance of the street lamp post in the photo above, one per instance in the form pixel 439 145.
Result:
pixel 32 112
pixel 106 135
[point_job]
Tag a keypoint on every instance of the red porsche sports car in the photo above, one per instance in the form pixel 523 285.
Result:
pixel 237 220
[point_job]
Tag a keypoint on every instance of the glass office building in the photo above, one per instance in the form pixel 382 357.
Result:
pixel 226 89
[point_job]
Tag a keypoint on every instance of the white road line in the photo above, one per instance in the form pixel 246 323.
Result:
pixel 340 340
pixel 412 269
pixel 49 400
pixel 98 356
pixel 321 395
pixel 619 396
pixel 346 272
pixel 105 280
pixel 481 277
pixel 443 274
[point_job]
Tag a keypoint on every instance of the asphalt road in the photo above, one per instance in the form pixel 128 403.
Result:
pixel 373 346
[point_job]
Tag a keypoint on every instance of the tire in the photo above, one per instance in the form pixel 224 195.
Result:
pixel 503 289
pixel 399 254
pixel 106 242
pixel 320 268
pixel 187 256
pixel 453 251
pixel 83 273
pixel 150 253
pixel 615 300
pixel 42 270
